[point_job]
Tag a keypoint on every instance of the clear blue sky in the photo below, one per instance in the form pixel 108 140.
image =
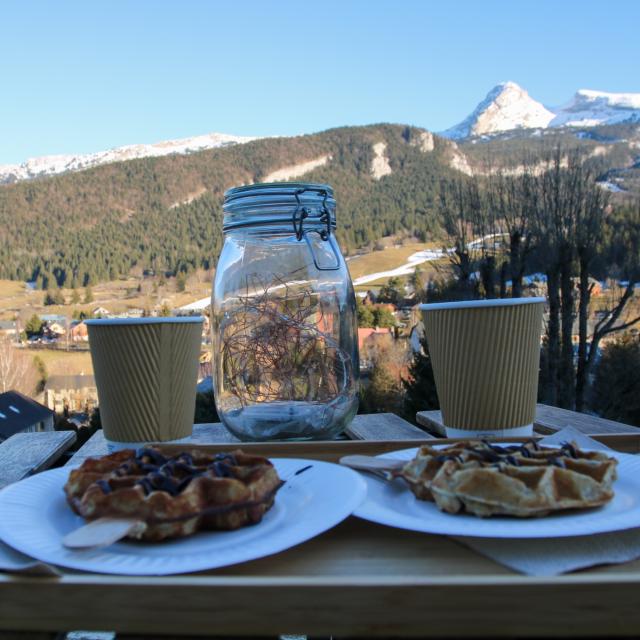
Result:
pixel 85 76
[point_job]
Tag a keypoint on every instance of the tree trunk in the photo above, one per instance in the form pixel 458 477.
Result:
pixel 583 317
pixel 515 260
pixel 488 276
pixel 553 337
pixel 503 280
pixel 566 370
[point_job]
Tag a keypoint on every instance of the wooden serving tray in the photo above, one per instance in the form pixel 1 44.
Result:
pixel 332 451
pixel 358 579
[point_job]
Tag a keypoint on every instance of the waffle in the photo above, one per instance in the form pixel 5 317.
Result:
pixel 177 496
pixel 524 481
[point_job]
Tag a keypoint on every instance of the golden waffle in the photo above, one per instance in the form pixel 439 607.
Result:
pixel 528 480
pixel 174 496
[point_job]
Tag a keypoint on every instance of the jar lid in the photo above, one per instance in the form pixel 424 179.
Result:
pixel 280 203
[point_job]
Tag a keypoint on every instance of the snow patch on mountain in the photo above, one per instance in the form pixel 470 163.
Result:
pixel 51 165
pixel 507 106
pixel 296 170
pixel 380 166
pixel 591 108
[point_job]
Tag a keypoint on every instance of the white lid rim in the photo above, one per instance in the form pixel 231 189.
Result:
pixel 103 322
pixel 480 304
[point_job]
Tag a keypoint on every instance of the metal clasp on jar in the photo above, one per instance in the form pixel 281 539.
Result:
pixel 300 214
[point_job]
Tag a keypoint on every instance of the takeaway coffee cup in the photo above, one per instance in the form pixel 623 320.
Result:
pixel 146 372
pixel 486 357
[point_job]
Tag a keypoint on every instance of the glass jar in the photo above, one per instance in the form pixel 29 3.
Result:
pixel 284 326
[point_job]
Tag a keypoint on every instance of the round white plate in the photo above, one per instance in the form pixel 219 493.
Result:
pixel 393 503
pixel 36 516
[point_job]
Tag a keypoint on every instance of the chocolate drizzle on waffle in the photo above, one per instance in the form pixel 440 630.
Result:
pixel 172 475
pixel 519 480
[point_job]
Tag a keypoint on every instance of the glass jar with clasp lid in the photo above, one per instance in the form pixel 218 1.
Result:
pixel 284 328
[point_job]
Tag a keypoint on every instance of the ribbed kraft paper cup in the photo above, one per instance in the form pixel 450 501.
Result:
pixel 486 359
pixel 146 373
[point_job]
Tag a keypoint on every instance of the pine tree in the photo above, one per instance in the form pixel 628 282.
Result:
pixel 181 282
pixel 88 295
pixel 58 297
pixel 383 317
pixel 391 292
pixel 33 326
pixel 365 315
pixel 75 297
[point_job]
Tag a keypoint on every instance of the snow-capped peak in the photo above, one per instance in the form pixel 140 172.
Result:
pixel 50 165
pixel 590 108
pixel 506 106
pixel 619 100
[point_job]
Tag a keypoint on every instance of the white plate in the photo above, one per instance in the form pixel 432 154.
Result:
pixel 35 518
pixel 392 503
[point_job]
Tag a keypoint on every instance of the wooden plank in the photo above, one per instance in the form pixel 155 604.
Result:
pixel 551 419
pixel 432 421
pixel 205 433
pixel 383 426
pixel 548 420
pixel 376 426
pixel 358 579
pixel 329 450
pixel 25 453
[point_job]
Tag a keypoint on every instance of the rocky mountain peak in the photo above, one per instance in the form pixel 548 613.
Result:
pixel 506 106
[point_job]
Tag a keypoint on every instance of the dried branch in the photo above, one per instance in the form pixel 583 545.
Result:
pixel 277 346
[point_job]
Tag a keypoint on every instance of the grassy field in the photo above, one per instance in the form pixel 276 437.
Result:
pixel 117 296
pixel 10 288
pixel 385 260
pixel 64 362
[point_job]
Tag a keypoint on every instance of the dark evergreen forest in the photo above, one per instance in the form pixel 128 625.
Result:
pixel 78 229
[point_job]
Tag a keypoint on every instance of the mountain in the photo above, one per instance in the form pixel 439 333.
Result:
pixel 592 108
pixel 164 213
pixel 508 107
pixel 51 165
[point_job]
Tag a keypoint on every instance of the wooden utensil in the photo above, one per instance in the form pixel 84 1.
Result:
pixel 101 532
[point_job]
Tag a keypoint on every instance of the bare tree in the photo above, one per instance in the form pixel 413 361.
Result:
pixel 457 221
pixel 551 240
pixel 589 231
pixel 17 371
pixel 623 248
pixel 513 198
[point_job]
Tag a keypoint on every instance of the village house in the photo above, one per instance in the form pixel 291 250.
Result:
pixel 20 414
pixel 79 332
pixel 50 318
pixel 100 312
pixel 8 328
pixel 372 341
pixel 55 330
pixel 71 394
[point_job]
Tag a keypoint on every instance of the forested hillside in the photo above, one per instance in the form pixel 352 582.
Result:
pixel 166 213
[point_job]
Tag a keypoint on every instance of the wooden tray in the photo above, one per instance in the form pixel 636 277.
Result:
pixel 332 451
pixel 359 579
